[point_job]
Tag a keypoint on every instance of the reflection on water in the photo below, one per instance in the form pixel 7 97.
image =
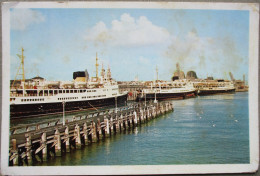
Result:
pixel 202 130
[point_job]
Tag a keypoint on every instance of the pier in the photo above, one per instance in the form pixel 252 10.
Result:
pixel 41 141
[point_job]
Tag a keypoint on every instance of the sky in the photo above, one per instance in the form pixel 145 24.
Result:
pixel 132 42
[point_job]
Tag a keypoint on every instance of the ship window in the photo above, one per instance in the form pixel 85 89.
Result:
pixel 84 90
pixel 71 91
pixel 89 91
pixel 80 91
pixel 67 91
pixel 93 90
pixel 60 91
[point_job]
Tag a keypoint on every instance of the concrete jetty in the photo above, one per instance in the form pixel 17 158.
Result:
pixel 41 141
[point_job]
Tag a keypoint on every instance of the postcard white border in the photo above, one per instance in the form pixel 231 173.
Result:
pixel 253 8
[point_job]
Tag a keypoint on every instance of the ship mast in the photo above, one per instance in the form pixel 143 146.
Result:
pixel 96 66
pixel 156 73
pixel 20 68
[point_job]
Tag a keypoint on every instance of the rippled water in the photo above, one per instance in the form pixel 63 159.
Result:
pixel 203 130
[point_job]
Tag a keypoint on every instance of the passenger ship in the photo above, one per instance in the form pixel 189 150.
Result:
pixel 162 90
pixel 208 87
pixel 39 97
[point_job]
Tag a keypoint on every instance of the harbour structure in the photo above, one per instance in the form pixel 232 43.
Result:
pixel 132 87
pixel 40 97
pixel 191 75
pixel 240 85
pixel 39 142
pixel 178 74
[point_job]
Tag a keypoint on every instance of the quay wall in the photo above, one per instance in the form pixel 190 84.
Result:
pixel 39 142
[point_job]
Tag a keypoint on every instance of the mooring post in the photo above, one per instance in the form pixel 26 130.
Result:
pixel 148 113
pixel 117 125
pixel 58 142
pixel 107 126
pixel 85 130
pixel 78 137
pixel 28 147
pixel 121 123
pixel 99 130
pixel 14 153
pixel 145 116
pixel 167 107
pixel 135 118
pixel 67 139
pixel 141 115
pixel 44 146
pixel 126 121
pixel 130 119
pixel 153 111
pixel 111 126
pixel 93 132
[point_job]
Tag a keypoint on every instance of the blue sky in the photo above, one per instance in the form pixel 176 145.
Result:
pixel 132 42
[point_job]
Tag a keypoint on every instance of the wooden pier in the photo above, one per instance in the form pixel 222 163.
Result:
pixel 38 142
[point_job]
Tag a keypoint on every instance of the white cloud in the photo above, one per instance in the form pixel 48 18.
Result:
pixel 22 18
pixel 128 31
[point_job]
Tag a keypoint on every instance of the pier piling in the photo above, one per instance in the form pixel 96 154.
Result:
pixel 54 139
pixel 57 143
pixel 67 139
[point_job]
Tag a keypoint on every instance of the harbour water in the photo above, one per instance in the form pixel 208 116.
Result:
pixel 202 130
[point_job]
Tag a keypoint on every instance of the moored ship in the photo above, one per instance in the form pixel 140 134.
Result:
pixel 39 97
pixel 208 87
pixel 162 90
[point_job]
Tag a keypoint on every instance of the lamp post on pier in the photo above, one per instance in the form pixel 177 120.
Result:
pixel 63 119
pixel 145 98
pixel 116 103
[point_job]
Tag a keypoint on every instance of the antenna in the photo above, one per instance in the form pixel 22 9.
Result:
pixel 96 66
pixel 20 68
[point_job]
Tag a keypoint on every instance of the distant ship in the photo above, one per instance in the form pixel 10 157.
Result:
pixel 162 90
pixel 40 97
pixel 207 87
